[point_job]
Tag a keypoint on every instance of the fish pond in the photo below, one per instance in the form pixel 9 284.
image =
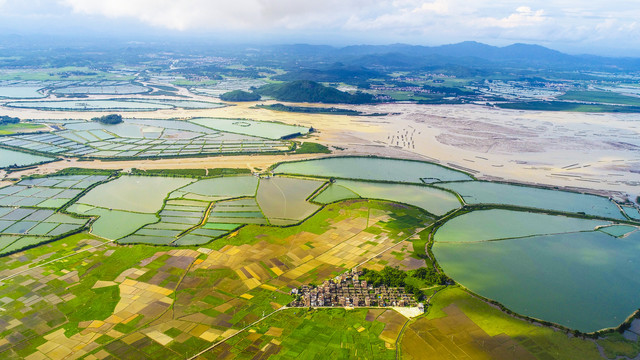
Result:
pixel 482 192
pixel 11 158
pixel 585 280
pixel 269 130
pixel 373 169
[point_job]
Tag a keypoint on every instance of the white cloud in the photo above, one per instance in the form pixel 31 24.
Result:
pixel 570 22
pixel 523 17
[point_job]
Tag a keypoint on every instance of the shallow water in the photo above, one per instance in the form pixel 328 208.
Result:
pixel 481 192
pixel 10 157
pixel 486 225
pixel 585 281
pixel 373 169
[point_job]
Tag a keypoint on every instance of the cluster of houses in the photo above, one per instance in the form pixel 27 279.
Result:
pixel 347 290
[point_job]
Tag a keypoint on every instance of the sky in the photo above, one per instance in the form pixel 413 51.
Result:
pixel 599 27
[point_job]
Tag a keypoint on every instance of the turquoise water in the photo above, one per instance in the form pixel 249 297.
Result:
pixel 20 92
pixel 333 193
pixel 283 199
pixel 481 192
pixel 501 224
pixel 228 186
pixel 144 194
pixel 435 201
pixel 372 169
pixel 585 281
pixel 10 157
pixel 90 105
pixel 262 129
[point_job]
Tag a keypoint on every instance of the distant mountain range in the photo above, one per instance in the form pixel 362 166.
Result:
pixel 468 53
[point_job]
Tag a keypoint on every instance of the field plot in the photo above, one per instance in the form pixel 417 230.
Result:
pixel 309 334
pixel 142 139
pixel 50 192
pixel 16 158
pixel 269 130
pixel 484 225
pixel 481 192
pixel 161 302
pixel 284 200
pixel 373 169
pixel 28 210
pixel 463 327
pixel 433 200
pixel 586 281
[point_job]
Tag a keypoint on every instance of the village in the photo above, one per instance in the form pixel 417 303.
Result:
pixel 347 290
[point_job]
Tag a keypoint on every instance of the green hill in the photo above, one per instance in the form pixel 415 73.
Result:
pixel 310 91
pixel 239 95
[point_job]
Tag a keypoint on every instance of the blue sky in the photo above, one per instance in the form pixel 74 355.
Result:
pixel 599 27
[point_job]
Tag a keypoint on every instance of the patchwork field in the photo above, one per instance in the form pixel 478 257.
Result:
pixel 152 301
pixel 168 264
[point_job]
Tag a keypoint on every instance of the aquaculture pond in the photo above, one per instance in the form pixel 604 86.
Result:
pixel 505 224
pixel 585 281
pixel 20 92
pixel 90 105
pixel 125 89
pixel 482 192
pixel 283 199
pixel 269 130
pixel 10 157
pixel 435 201
pixel 113 224
pixel 373 169
pixel 144 194
pixel 222 187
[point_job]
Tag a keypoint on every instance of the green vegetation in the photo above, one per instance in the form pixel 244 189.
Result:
pixel 312 148
pixel 199 173
pixel 239 95
pixel 394 277
pixel 542 342
pixel 309 91
pixel 6 120
pixel 568 106
pixel 607 97
pixel 111 119
pixel 311 110
pixel 616 346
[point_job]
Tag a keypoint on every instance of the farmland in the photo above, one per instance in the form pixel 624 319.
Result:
pixel 179 252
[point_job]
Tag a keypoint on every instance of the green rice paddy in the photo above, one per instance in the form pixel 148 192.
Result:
pixel 489 251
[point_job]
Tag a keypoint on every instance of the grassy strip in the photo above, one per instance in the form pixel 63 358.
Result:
pixel 197 173
pixel 311 148
pixel 568 106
